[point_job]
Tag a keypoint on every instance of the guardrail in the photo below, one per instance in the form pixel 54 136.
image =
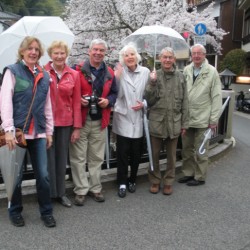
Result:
pixel 218 137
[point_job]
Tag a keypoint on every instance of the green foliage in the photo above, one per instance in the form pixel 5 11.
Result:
pixel 34 7
pixel 235 60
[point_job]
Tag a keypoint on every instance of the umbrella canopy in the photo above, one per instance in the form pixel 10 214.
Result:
pixel 46 28
pixel 152 39
pixel 11 162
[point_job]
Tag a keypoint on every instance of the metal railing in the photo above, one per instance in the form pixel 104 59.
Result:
pixel 218 137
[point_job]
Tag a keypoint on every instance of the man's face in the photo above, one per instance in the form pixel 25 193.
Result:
pixel 198 56
pixel 96 54
pixel 167 60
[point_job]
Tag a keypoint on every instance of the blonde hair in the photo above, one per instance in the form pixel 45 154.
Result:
pixel 25 45
pixel 58 44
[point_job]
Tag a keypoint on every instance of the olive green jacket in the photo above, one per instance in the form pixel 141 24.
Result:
pixel 168 104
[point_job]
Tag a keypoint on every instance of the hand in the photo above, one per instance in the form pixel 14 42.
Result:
pixel 153 76
pixel 183 132
pixel 138 107
pixel 213 128
pixel 49 141
pixel 103 103
pixel 118 70
pixel 10 140
pixel 75 135
pixel 85 103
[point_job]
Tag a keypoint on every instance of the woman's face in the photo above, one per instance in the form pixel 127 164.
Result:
pixel 58 56
pixel 130 59
pixel 31 54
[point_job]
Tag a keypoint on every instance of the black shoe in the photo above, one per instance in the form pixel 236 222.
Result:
pixel 122 192
pixel 195 183
pixel 131 187
pixel 48 220
pixel 17 220
pixel 64 200
pixel 185 179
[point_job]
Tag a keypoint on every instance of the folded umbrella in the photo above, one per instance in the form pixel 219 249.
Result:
pixel 208 132
pixel 145 122
pixel 11 162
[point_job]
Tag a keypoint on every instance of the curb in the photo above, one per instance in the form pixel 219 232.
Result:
pixel 109 175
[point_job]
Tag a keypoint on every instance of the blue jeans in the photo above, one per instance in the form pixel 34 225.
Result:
pixel 38 155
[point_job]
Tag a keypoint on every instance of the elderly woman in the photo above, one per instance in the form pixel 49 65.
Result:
pixel 66 105
pixel 127 117
pixel 21 82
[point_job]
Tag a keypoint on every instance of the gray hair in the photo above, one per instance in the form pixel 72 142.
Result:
pixel 98 41
pixel 198 45
pixel 167 49
pixel 123 51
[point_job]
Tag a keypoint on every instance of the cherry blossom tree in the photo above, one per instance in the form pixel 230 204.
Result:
pixel 113 20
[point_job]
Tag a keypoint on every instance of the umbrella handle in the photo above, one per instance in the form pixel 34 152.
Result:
pixel 155 50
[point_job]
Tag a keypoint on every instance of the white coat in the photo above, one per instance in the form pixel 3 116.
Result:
pixel 126 121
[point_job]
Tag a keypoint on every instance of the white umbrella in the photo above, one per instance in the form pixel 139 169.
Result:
pixel 11 162
pixel 152 39
pixel 46 28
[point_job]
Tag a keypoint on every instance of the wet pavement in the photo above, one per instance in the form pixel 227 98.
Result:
pixel 213 216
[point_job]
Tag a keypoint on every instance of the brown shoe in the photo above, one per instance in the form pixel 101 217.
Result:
pixel 154 189
pixel 99 197
pixel 79 200
pixel 167 190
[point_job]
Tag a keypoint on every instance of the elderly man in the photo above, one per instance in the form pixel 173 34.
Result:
pixel 205 103
pixel 166 95
pixel 99 92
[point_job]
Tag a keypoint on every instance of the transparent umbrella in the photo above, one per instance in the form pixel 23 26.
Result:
pixel 152 39
pixel 11 162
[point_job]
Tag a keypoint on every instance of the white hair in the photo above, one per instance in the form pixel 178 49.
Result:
pixel 98 41
pixel 197 45
pixel 167 49
pixel 123 51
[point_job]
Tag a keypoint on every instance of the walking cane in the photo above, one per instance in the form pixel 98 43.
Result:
pixel 145 122
pixel 208 132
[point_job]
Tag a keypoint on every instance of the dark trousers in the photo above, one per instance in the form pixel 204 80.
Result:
pixel 37 151
pixel 128 153
pixel 57 160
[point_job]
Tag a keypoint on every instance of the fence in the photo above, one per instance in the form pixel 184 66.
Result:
pixel 218 137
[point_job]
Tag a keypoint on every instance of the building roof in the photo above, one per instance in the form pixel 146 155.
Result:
pixel 243 4
pixel 4 15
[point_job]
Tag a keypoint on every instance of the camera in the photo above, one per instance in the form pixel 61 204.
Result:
pixel 93 102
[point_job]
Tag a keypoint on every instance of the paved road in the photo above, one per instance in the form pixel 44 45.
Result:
pixel 215 216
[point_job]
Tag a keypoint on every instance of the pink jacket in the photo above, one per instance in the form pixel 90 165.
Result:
pixel 65 97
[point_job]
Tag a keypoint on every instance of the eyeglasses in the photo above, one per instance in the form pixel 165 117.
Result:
pixel 197 53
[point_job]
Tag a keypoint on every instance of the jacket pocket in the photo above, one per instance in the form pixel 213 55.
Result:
pixel 156 124
pixel 177 124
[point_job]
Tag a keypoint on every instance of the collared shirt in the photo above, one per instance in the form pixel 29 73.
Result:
pixel 132 74
pixel 197 70
pixel 6 107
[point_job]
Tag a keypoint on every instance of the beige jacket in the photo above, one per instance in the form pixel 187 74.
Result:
pixel 205 100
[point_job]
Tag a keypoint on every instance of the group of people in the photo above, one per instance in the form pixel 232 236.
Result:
pixel 65 111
